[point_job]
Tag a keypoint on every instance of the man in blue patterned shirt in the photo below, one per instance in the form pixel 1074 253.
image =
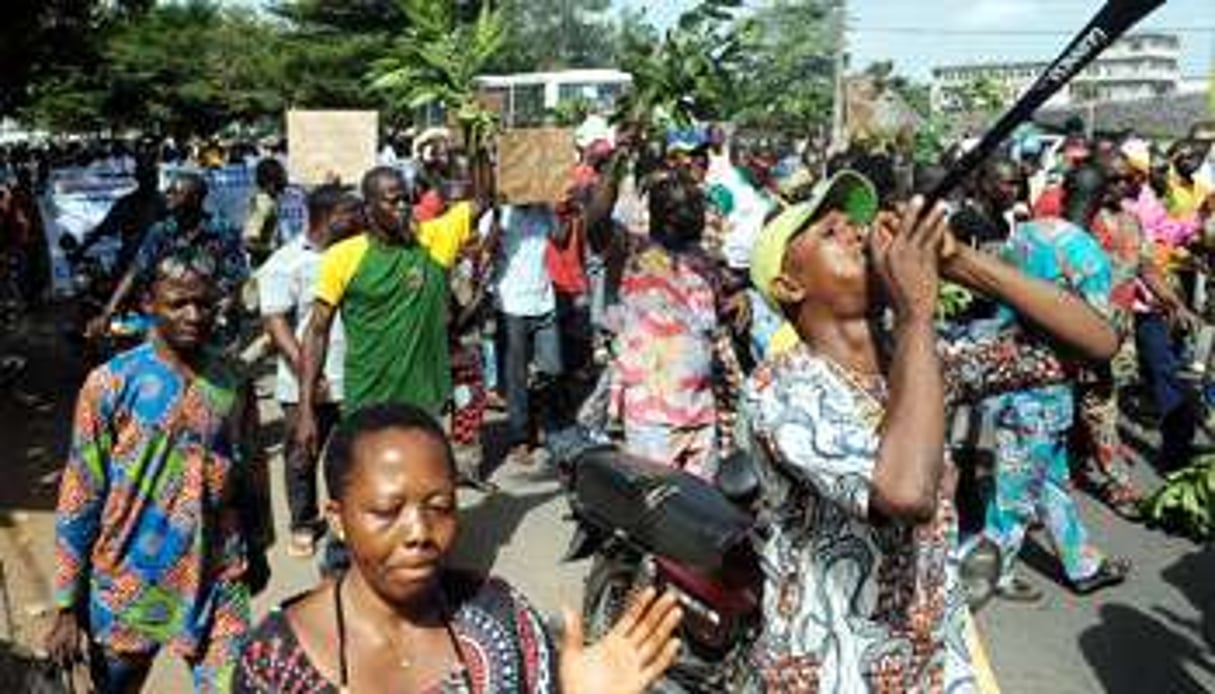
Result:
pixel 187 227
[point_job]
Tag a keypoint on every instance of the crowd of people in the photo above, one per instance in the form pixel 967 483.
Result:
pixel 687 298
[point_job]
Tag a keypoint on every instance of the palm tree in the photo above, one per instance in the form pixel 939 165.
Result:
pixel 437 60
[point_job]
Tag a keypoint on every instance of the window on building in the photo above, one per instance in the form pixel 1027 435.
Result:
pixel 528 105
pixel 571 91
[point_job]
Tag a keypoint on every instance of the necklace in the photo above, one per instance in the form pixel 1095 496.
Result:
pixel 404 662
pixel 869 390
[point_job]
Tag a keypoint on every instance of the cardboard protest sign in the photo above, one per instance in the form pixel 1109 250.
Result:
pixel 322 145
pixel 534 164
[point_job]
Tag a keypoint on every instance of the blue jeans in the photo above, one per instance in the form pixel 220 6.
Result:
pixel 529 338
pixel 1159 362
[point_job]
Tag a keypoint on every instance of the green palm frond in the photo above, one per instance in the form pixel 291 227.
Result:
pixel 437 60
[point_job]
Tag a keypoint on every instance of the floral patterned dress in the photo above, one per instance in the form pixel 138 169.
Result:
pixel 1032 469
pixel 675 374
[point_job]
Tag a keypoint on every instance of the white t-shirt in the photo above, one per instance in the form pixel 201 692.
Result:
pixel 523 285
pixel 286 285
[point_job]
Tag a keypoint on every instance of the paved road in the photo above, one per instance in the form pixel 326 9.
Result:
pixel 1143 637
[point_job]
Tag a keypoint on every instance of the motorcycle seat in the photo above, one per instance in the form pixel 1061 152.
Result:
pixel 662 509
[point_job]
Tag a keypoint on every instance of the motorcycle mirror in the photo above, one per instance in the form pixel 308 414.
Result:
pixel 738 478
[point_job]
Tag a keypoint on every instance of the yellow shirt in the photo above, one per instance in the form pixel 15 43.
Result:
pixel 784 339
pixel 1183 199
pixel 445 236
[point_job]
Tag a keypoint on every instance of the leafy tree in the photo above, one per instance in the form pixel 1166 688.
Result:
pixel 437 60
pixel 633 28
pixel 773 67
pixel 555 34
pixel 788 51
pixel 46 40
pixel 981 95
pixel 323 71
pixel 343 17
pixel 246 63
pixel 68 100
pixel 687 76
pixel 328 45
pixel 191 68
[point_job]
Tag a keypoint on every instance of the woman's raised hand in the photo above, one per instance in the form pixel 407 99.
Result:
pixel 630 657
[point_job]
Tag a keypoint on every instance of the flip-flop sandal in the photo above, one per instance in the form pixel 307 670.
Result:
pixel 1123 501
pixel 1111 573
pixel 1128 509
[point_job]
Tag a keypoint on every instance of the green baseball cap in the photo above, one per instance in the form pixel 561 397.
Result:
pixel 847 191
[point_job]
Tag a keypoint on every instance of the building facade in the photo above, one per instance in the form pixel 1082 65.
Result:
pixel 1137 66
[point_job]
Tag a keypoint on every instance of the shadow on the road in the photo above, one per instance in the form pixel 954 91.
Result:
pixel 486 527
pixel 1191 575
pixel 1132 652
pixel 21 671
pixel 36 412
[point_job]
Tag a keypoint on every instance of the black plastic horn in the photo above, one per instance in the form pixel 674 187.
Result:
pixel 1110 22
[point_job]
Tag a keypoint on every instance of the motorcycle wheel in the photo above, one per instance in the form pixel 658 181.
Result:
pixel 607 589
pixel 609 584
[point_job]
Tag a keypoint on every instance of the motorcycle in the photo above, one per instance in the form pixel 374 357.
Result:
pixel 93 283
pixel 647 524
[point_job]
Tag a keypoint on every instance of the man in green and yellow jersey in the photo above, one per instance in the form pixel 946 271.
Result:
pixel 390 283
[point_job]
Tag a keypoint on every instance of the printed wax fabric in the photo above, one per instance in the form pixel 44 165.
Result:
pixel 148 531
pixel 503 646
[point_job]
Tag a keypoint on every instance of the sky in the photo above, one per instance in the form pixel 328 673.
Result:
pixel 927 33
pixel 918 35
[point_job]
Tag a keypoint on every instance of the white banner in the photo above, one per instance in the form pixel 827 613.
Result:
pixel 77 200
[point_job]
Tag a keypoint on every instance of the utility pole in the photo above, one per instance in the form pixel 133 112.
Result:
pixel 1211 83
pixel 841 64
